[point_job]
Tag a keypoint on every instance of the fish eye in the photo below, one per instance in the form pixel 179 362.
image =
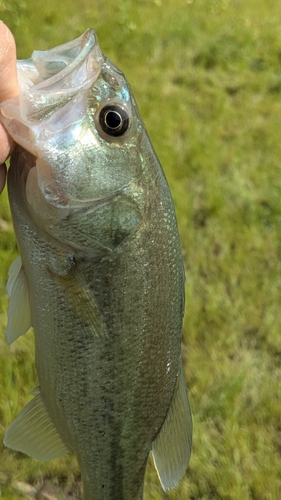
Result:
pixel 114 120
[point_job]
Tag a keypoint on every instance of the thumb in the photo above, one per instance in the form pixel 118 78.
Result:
pixel 8 88
pixel 8 70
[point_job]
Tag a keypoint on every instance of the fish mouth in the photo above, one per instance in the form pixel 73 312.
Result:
pixel 51 78
pixel 48 80
pixel 52 104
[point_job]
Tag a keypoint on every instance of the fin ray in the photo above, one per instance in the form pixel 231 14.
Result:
pixel 33 432
pixel 172 447
pixel 19 316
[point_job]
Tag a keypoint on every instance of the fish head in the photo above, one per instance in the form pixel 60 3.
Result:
pixel 76 115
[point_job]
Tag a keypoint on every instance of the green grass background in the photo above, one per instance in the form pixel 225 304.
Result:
pixel 207 77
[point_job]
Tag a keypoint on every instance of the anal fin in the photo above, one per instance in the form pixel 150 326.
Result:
pixel 172 447
pixel 19 317
pixel 33 432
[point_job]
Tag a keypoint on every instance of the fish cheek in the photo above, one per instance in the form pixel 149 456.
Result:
pixel 116 221
pixel 99 230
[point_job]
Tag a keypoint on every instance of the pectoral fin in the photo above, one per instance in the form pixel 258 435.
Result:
pixel 19 320
pixel 33 432
pixel 172 447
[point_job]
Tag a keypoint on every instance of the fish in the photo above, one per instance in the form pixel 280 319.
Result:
pixel 100 276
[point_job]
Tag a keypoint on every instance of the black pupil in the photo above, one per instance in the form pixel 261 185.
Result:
pixel 113 119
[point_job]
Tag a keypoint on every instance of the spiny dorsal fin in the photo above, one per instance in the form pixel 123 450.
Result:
pixel 33 432
pixel 172 447
pixel 19 320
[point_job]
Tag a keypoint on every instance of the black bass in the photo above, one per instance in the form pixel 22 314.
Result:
pixel 100 276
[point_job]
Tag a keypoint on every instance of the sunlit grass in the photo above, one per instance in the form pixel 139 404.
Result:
pixel 207 77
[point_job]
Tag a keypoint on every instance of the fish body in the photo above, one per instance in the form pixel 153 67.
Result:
pixel 100 276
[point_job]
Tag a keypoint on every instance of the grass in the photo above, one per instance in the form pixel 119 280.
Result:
pixel 207 77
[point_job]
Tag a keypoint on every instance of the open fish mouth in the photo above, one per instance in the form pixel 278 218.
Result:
pixel 53 102
pixel 51 78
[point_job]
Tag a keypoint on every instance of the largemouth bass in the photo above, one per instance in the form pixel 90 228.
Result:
pixel 100 276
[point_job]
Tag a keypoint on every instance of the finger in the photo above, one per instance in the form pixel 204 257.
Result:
pixel 6 144
pixel 3 173
pixel 9 86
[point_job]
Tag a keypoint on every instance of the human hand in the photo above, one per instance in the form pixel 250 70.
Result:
pixel 8 88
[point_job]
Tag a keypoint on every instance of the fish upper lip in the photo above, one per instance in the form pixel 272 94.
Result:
pixel 87 42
